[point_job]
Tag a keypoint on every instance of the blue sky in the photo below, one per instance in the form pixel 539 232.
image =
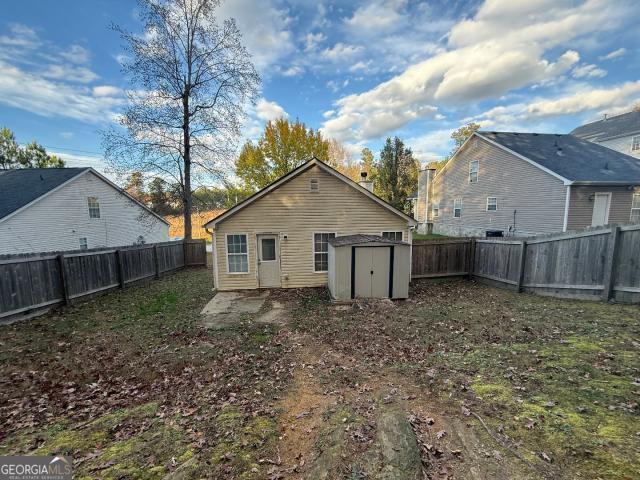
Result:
pixel 360 71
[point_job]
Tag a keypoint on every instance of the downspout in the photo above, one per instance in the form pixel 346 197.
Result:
pixel 214 258
pixel 566 209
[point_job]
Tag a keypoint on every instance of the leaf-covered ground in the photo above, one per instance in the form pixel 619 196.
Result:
pixel 494 385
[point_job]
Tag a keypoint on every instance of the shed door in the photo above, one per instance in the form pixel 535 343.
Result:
pixel 371 275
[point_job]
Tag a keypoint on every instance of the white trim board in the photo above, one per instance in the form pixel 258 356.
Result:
pixel 294 173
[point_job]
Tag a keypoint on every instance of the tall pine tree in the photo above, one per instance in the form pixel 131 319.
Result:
pixel 396 173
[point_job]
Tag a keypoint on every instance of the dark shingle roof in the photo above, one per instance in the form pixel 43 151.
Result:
pixel 360 238
pixel 22 186
pixel 571 157
pixel 618 126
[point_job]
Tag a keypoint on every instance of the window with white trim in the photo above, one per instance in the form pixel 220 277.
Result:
pixel 635 208
pixel 94 207
pixel 457 208
pixel 492 204
pixel 474 165
pixel 83 243
pixel 635 143
pixel 392 235
pixel 237 256
pixel 321 251
pixel 314 185
pixel 436 209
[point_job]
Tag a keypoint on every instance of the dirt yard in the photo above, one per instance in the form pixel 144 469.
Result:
pixel 461 381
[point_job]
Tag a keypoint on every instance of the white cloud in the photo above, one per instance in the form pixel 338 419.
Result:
pixel 292 71
pixel 425 147
pixel 614 54
pixel 69 73
pixel 341 52
pixel 499 50
pixel 266 110
pixel 76 54
pixel 588 71
pixel 21 36
pixel 377 17
pixel 596 100
pixel 265 29
pixel 106 91
pixel 313 40
pixel 74 160
pixel 42 96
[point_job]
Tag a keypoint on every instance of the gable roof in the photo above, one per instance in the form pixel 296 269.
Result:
pixel 569 158
pixel 23 186
pixel 294 173
pixel 20 187
pixel 611 127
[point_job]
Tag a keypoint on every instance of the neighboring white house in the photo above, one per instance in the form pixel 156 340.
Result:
pixel 54 209
pixel 619 132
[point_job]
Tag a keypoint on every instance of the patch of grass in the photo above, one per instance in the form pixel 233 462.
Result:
pixel 243 442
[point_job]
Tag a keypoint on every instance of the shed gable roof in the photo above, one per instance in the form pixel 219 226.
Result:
pixel 294 173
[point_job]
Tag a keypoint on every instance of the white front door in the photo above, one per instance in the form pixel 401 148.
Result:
pixel 268 261
pixel 601 203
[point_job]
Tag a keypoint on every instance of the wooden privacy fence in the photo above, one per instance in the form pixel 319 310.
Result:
pixel 596 263
pixel 38 281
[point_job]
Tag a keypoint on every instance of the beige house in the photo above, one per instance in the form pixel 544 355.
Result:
pixel 279 237
pixel 525 184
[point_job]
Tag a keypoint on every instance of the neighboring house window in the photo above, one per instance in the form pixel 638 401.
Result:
pixel 635 208
pixel 436 209
pixel 392 235
pixel 457 208
pixel 83 243
pixel 94 207
pixel 321 251
pixel 635 143
pixel 473 171
pixel 237 257
pixel 492 204
pixel 314 185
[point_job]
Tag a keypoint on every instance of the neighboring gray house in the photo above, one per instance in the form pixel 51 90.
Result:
pixel 620 132
pixel 528 184
pixel 51 209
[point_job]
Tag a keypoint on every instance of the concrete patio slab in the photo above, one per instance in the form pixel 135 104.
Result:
pixel 228 307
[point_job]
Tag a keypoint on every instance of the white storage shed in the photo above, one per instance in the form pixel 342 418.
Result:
pixel 368 266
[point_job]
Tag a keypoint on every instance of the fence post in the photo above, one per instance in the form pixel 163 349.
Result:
pixel 120 268
pixel 63 279
pixel 610 264
pixel 156 260
pixel 184 252
pixel 472 257
pixel 523 258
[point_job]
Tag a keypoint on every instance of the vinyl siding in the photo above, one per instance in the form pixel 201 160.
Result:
pixel 294 211
pixel 537 197
pixel 59 220
pixel 622 144
pixel 581 208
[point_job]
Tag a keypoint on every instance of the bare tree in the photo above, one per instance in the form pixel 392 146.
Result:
pixel 191 79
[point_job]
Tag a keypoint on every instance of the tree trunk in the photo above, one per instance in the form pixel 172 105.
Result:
pixel 187 167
